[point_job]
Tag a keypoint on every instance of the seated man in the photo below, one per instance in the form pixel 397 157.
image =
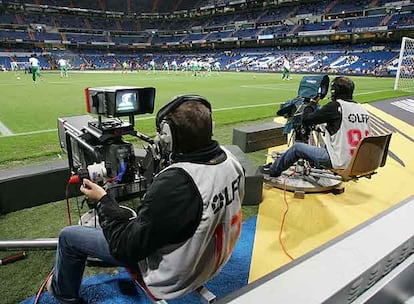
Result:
pixel 186 225
pixel 347 122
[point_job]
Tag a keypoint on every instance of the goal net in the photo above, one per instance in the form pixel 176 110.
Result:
pixel 404 79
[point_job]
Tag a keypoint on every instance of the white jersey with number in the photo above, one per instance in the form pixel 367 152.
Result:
pixel 354 127
pixel 181 268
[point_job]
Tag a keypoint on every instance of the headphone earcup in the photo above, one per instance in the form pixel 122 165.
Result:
pixel 334 90
pixel 175 103
pixel 166 136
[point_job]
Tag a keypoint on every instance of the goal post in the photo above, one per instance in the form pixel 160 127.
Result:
pixel 404 79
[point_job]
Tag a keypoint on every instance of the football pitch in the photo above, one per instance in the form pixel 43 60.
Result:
pixel 29 111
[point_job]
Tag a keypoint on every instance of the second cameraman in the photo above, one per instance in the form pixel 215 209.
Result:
pixel 347 122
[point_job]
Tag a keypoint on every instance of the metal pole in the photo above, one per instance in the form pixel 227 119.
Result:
pixel 48 244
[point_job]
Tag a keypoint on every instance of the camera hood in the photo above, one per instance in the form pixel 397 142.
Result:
pixel 314 86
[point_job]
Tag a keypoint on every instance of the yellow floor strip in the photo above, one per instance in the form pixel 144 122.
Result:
pixel 321 217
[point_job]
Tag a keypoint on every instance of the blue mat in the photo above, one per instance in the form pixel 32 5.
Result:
pixel 121 289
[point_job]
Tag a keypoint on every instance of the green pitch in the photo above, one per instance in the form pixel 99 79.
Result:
pixel 29 111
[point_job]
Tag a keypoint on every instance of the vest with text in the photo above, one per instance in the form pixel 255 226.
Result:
pixel 178 269
pixel 354 127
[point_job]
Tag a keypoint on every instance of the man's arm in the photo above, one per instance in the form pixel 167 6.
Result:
pixel 169 214
pixel 328 113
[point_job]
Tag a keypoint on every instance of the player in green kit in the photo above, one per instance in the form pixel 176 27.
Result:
pixel 35 65
pixel 63 67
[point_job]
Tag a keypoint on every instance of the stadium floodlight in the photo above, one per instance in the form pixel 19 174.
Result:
pixel 404 79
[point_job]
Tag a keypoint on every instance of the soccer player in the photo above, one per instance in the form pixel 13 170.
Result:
pixel 152 66
pixel 184 66
pixel 124 67
pixel 207 68
pixel 174 66
pixel 63 67
pixel 14 67
pixel 165 67
pixel 217 67
pixel 35 65
pixel 286 68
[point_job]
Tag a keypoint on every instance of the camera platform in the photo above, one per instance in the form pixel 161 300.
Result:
pixel 301 184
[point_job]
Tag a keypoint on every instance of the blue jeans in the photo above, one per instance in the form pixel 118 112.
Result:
pixel 76 243
pixel 317 156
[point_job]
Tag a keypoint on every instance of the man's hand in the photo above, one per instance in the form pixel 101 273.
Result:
pixel 92 191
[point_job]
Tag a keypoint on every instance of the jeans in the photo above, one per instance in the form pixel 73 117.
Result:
pixel 76 243
pixel 317 156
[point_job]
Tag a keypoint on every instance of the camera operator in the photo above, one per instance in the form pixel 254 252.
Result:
pixel 347 122
pixel 186 225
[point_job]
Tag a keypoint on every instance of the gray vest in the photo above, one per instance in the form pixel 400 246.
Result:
pixel 178 269
pixel 354 127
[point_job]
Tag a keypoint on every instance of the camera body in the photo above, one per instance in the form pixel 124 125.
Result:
pixel 311 89
pixel 96 148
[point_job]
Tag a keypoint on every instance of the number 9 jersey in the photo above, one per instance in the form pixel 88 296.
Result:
pixel 355 125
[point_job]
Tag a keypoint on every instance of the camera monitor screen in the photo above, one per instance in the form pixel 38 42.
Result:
pixel 126 102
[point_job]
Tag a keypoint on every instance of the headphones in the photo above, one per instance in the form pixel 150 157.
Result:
pixel 166 130
pixel 335 89
pixel 342 89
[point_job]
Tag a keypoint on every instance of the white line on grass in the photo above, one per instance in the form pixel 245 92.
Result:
pixel 248 106
pixel 372 92
pixel 278 87
pixel 4 130
pixel 28 133
pixel 146 118
pixel 266 87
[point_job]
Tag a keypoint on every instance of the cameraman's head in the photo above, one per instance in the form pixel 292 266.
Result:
pixel 184 124
pixel 342 88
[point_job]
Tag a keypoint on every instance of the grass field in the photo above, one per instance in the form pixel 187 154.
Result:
pixel 29 112
pixel 28 116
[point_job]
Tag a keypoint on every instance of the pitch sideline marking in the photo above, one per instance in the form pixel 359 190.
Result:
pixel 4 130
pixel 11 134
pixel 272 87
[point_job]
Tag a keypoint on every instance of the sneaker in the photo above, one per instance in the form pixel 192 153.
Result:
pixel 265 169
pixel 274 173
pixel 49 288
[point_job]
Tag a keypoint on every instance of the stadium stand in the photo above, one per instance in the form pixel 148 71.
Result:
pixel 353 38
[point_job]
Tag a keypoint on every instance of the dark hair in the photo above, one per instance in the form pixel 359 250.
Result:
pixel 342 88
pixel 192 126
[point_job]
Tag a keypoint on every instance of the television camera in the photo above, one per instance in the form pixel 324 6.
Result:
pixel 311 89
pixel 96 148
